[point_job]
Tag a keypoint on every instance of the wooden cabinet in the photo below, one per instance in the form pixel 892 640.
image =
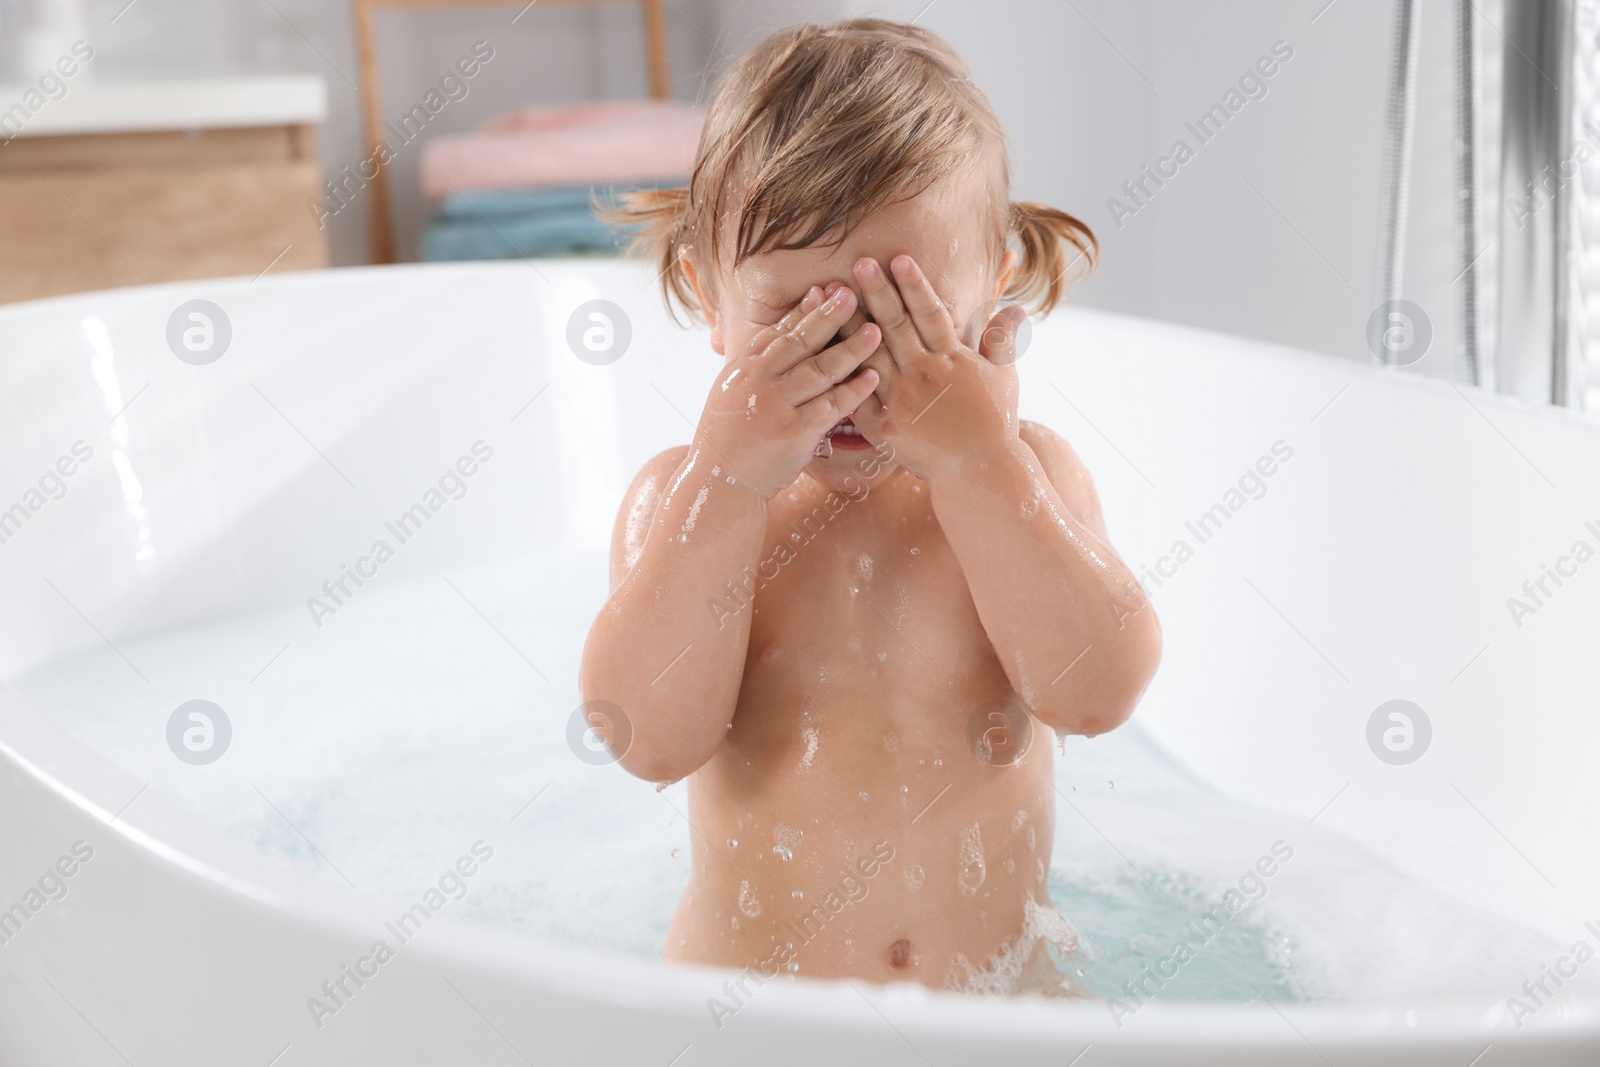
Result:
pixel 156 182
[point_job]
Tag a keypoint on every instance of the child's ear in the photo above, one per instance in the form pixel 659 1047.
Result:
pixel 708 307
pixel 1008 267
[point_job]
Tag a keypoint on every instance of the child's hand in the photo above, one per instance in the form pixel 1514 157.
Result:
pixel 938 404
pixel 773 402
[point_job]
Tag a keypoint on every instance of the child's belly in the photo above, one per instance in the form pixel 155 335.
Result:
pixel 846 825
pixel 877 846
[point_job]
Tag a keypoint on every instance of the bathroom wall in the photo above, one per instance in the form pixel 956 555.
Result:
pixel 1268 230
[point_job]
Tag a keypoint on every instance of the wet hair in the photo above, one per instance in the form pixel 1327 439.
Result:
pixel 818 127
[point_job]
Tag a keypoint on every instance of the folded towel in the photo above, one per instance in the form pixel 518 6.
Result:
pixel 609 141
pixel 512 224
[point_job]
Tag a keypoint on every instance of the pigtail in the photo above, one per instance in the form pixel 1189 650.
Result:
pixel 653 221
pixel 1045 235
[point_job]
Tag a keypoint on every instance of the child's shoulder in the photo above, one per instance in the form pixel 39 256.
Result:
pixel 655 471
pixel 639 508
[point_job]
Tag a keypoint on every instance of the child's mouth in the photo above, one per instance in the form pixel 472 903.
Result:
pixel 846 435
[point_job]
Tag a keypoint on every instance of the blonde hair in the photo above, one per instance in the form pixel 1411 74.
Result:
pixel 819 126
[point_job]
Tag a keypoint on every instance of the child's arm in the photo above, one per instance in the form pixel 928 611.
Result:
pixel 1072 629
pixel 693 519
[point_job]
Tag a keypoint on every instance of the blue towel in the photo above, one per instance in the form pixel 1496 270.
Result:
pixel 518 223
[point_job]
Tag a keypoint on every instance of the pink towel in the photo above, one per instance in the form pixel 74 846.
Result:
pixel 534 147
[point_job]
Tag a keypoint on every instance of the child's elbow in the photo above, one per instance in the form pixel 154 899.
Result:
pixel 1110 700
pixel 656 764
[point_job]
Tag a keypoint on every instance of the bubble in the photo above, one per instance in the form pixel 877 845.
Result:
pixel 914 876
pixel 199 732
pixel 749 903
pixel 973 869
pixel 199 332
pixel 786 841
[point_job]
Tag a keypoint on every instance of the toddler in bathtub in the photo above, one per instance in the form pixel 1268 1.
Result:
pixel 850 608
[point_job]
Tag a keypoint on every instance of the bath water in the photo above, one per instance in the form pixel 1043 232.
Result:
pixel 432 710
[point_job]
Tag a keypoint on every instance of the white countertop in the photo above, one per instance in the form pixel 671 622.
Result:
pixel 176 104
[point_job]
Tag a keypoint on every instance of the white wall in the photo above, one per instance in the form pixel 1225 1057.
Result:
pixel 1093 90
pixel 1090 92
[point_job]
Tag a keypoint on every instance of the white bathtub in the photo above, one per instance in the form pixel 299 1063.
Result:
pixel 1377 565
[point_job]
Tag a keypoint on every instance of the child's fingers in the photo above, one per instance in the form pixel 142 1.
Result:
pixel 857 319
pixel 928 313
pixel 807 336
pixel 767 334
pixel 899 333
pixel 841 400
pixel 815 376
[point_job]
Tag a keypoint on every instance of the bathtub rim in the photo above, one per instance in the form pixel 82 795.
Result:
pixel 1251 347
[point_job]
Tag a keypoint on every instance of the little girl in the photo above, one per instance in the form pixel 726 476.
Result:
pixel 845 608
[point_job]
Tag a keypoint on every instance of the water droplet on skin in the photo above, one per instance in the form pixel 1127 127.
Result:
pixel 1030 507
pixel 914 876
pixel 824 449
pixel 882 656
pixel 916 551
pixel 938 763
pixel 733 842
pixel 862 794
pixel 794 966
pixel 1030 839
pixel 973 868
pixel 905 789
pixel 787 840
pixel 749 903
